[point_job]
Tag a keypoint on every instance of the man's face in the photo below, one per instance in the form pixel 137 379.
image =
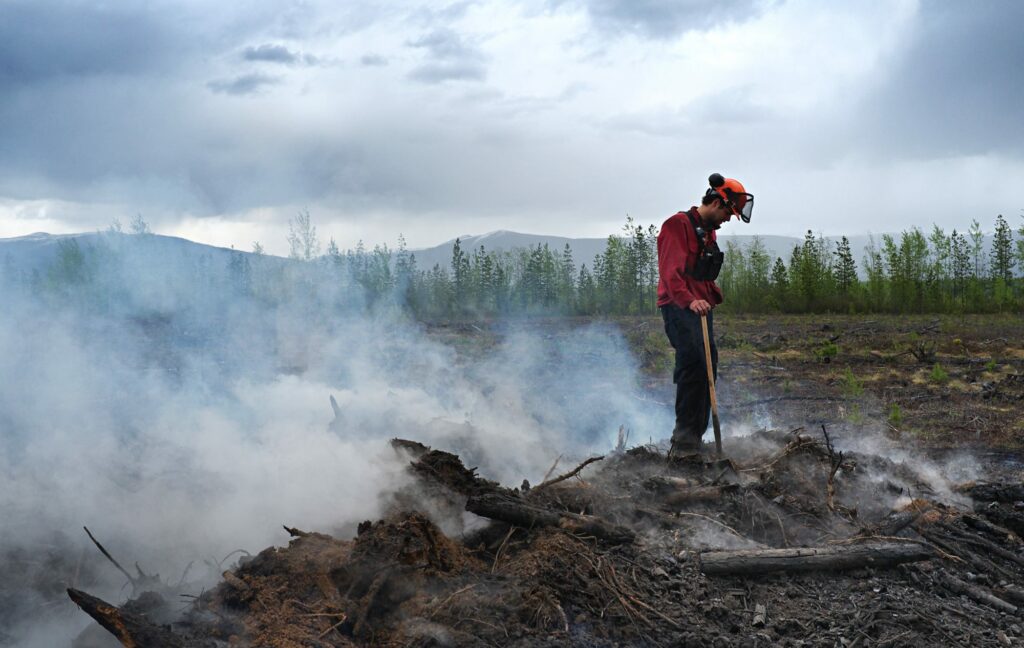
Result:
pixel 720 214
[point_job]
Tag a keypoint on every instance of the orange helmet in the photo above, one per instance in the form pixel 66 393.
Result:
pixel 733 195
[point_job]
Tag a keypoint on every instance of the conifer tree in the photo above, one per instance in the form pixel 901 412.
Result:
pixel 846 267
pixel 1002 260
pixel 961 265
pixel 779 283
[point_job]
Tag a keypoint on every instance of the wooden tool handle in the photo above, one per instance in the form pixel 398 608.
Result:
pixel 711 384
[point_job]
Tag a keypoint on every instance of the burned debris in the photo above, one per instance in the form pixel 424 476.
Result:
pixel 789 543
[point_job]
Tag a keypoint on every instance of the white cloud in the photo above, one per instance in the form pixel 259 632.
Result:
pixel 486 115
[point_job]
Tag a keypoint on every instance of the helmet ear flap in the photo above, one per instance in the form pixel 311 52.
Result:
pixel 716 180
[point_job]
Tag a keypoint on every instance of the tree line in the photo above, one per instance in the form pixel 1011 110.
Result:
pixel 912 272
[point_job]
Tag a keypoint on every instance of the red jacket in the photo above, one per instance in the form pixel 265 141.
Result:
pixel 677 253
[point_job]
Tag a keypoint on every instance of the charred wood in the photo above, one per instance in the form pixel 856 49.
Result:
pixel 496 506
pixel 812 558
pixel 957 586
pixel 995 530
pixel 994 492
pixel 133 631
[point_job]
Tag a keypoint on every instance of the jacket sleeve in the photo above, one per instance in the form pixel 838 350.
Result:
pixel 673 254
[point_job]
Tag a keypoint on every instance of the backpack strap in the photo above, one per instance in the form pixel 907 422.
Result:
pixel 697 231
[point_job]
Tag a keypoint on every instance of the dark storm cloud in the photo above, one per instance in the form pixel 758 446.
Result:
pixel 42 41
pixel 450 58
pixel 244 84
pixel 270 53
pixel 664 18
pixel 958 88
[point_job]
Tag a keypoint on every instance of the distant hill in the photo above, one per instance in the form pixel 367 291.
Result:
pixel 37 251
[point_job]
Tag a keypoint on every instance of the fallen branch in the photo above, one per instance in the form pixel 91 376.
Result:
pixel 957 586
pixel 496 506
pixel 567 475
pixel 835 461
pixel 130 629
pixel 834 558
pixel 994 492
pixel 109 557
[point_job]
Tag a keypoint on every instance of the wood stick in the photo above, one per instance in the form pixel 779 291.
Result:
pixel 957 586
pixel 711 385
pixel 567 475
pixel 109 557
pixel 831 558
pixel 131 630
pixel 519 513
pixel 551 470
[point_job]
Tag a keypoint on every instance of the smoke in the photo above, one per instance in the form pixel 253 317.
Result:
pixel 181 419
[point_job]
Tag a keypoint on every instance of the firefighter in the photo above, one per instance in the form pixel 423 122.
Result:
pixel 689 261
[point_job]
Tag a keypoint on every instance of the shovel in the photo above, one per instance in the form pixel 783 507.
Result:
pixel 711 385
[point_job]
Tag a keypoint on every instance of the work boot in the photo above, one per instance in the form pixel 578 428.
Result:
pixel 683 444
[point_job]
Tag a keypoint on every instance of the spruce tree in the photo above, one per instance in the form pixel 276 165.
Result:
pixel 846 267
pixel 961 265
pixel 1002 260
pixel 779 283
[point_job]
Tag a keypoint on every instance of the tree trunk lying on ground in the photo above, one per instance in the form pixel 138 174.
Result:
pixel 994 492
pixel 512 511
pixel 978 594
pixel 759 561
pixel 130 629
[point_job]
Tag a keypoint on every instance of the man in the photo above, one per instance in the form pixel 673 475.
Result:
pixel 689 261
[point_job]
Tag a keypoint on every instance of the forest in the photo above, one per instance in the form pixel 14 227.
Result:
pixel 913 272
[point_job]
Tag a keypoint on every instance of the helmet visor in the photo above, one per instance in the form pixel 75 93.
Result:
pixel 742 205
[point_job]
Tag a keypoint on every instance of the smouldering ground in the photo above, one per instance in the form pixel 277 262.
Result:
pixel 942 382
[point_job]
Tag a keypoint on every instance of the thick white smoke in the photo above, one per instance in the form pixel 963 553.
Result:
pixel 180 423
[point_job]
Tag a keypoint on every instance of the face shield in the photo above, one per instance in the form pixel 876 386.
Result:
pixel 742 205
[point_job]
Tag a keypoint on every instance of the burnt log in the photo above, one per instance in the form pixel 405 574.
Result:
pixel 1003 516
pixel 132 630
pixel 957 586
pixel 994 492
pixel 995 530
pixel 511 510
pixel 896 522
pixel 801 559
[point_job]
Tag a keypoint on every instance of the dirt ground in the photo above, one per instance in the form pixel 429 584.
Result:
pixel 949 382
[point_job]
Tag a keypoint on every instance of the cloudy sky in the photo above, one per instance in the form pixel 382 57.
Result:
pixel 220 121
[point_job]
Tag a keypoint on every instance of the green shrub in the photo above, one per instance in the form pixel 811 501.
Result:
pixel 939 375
pixel 852 386
pixel 827 351
pixel 991 365
pixel 895 415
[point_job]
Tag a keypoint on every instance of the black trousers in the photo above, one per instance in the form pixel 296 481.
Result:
pixel 693 397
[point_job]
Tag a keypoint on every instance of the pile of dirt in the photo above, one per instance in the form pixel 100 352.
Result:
pixel 791 543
